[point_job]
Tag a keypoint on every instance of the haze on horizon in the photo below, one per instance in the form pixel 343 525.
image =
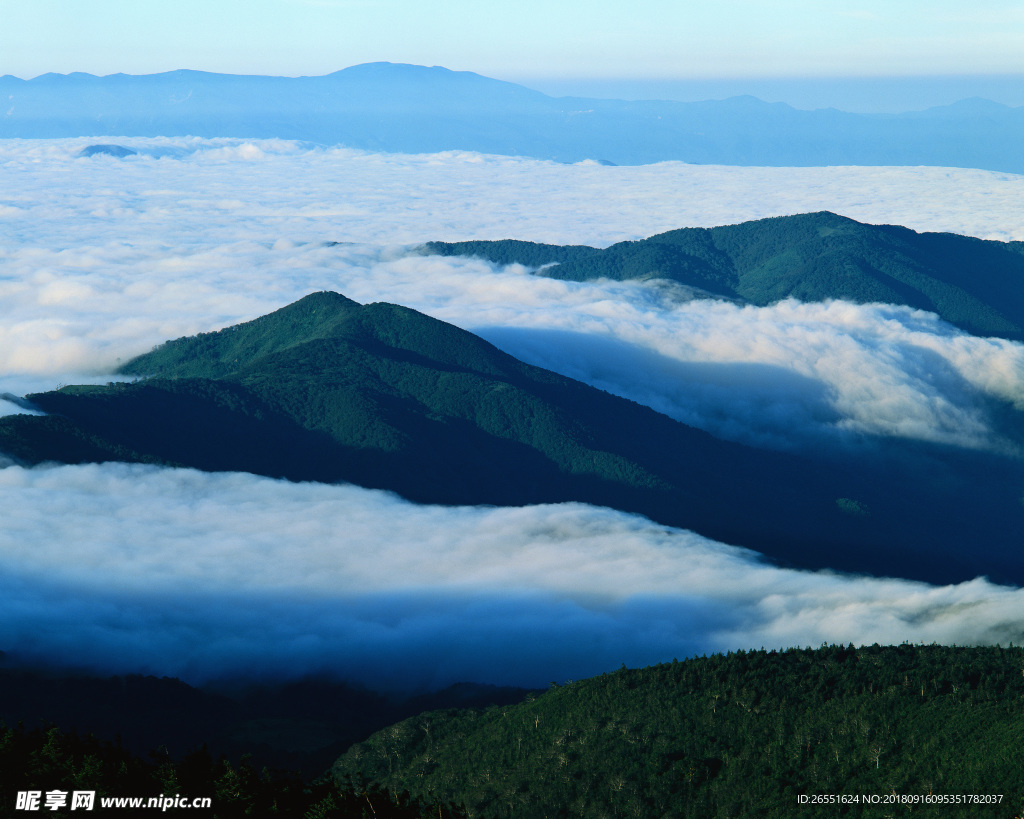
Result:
pixel 861 55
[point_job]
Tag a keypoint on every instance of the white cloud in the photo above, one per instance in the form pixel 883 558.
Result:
pixel 176 571
pixel 779 375
pixel 309 194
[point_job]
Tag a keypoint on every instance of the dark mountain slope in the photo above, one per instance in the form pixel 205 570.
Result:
pixel 743 736
pixel 975 284
pixel 385 397
pixel 301 724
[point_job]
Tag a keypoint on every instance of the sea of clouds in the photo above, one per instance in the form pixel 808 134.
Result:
pixel 179 572
pixel 199 575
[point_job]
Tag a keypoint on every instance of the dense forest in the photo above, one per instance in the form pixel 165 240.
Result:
pixel 743 735
pixel 881 731
pixel 971 283
pixel 385 397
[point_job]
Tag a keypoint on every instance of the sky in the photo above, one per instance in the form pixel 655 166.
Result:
pixel 102 258
pixel 603 47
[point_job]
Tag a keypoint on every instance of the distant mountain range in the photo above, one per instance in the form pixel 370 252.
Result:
pixel 974 284
pixel 408 108
pixel 385 397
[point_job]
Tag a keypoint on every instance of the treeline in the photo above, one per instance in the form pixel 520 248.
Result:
pixel 743 735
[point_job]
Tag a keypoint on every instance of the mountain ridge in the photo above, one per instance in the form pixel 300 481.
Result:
pixel 974 284
pixel 388 398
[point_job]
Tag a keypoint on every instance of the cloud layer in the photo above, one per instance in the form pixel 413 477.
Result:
pixel 121 567
pixel 107 257
pixel 266 190
pixel 177 572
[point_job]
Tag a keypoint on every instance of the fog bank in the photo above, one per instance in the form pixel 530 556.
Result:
pixel 138 569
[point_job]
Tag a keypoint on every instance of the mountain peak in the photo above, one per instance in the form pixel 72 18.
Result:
pixel 217 353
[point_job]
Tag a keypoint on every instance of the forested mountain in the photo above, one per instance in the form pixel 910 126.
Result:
pixel 742 736
pixel 975 284
pixel 416 109
pixel 385 397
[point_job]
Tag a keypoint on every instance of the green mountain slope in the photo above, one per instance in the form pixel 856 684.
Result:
pixel 974 284
pixel 385 397
pixel 741 736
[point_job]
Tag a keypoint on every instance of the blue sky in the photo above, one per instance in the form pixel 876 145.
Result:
pixel 872 54
pixel 571 38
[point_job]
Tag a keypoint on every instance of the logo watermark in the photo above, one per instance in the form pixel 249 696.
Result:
pixel 56 800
